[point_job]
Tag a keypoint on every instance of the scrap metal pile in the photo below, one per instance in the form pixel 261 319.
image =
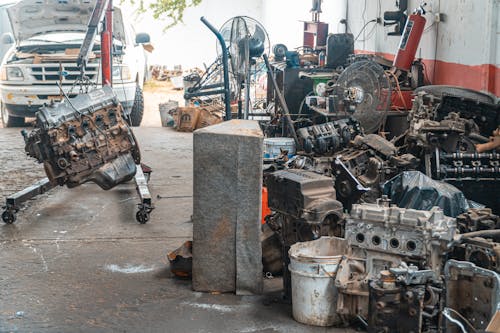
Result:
pixel 418 212
pixel 84 139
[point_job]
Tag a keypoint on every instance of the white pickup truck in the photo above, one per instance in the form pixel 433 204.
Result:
pixel 48 35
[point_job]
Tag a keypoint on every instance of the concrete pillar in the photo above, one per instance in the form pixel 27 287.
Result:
pixel 227 254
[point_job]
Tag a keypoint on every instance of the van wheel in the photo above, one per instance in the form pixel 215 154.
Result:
pixel 138 108
pixel 9 121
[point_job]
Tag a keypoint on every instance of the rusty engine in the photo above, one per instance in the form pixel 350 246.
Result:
pixel 84 139
pixel 407 268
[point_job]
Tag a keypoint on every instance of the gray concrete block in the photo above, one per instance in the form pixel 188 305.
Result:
pixel 227 184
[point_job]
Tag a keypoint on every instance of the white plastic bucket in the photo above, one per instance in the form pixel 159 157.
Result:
pixel 166 118
pixel 313 267
pixel 273 147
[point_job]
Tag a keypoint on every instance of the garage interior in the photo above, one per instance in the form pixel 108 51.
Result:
pixel 292 166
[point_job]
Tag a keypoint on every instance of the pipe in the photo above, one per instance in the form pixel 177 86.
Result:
pixel 282 102
pixel 227 97
pixel 482 233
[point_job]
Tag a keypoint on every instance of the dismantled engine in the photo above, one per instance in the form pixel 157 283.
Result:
pixel 359 169
pixel 305 209
pixel 327 138
pixel 449 130
pixel 422 213
pixel 402 247
pixel 84 139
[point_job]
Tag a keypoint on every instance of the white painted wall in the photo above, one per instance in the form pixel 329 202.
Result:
pixel 190 43
pixel 283 19
pixel 469 35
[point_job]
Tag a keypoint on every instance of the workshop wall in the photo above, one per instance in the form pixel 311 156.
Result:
pixel 191 43
pixel 283 19
pixel 463 49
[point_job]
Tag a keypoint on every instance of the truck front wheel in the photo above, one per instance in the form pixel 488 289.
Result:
pixel 8 120
pixel 137 111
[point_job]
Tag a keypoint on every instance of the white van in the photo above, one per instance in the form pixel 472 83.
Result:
pixel 48 35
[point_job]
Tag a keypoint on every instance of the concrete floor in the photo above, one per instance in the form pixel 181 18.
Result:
pixel 77 261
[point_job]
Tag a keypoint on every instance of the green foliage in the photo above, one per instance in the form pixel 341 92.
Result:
pixel 171 11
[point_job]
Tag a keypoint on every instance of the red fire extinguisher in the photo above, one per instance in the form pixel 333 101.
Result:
pixel 410 39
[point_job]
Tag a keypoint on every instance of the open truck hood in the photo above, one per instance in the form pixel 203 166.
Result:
pixel 30 18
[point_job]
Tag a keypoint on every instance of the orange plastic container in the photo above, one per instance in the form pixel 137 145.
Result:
pixel 265 207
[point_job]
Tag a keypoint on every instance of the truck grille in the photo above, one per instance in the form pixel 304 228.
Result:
pixel 51 73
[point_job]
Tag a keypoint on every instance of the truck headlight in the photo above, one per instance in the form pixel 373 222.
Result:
pixel 122 73
pixel 8 73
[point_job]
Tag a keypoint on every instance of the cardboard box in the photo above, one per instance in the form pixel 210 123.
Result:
pixel 187 118
pixel 209 116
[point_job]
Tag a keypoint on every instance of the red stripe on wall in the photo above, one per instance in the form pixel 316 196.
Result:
pixel 478 77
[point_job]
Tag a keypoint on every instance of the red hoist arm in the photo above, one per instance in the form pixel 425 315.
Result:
pixel 107 46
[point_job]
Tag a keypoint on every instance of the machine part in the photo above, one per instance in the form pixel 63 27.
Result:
pixel 382 238
pixel 471 291
pixel 305 209
pixel 482 248
pixel 283 104
pixel 328 138
pixel 475 219
pixel 364 90
pixel 404 299
pixel 181 260
pixel 279 51
pixel 14 201
pixel 348 187
pixel 441 100
pixel 413 189
pixel 395 308
pixel 361 169
pixel 401 232
pixel 84 139
pixel 410 40
pixel 339 48
pixel 446 125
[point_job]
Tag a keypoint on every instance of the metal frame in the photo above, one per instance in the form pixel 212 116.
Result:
pixel 210 90
pixel 13 202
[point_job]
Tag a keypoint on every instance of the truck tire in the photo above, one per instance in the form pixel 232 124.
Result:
pixel 9 121
pixel 137 111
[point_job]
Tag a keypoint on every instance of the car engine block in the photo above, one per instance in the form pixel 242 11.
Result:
pixel 84 139
pixel 305 208
pixel 385 238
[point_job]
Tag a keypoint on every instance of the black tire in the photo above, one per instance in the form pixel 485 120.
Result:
pixel 137 111
pixel 8 120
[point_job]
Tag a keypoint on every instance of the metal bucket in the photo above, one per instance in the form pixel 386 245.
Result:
pixel 273 147
pixel 313 266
